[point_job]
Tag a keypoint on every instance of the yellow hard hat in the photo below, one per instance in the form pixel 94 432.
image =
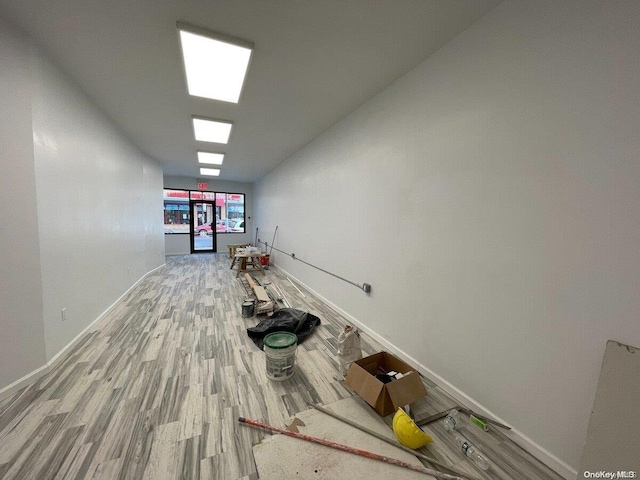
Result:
pixel 409 434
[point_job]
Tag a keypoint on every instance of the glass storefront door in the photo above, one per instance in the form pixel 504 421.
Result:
pixel 203 226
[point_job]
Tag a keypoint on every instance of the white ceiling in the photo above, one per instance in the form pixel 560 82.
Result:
pixel 314 62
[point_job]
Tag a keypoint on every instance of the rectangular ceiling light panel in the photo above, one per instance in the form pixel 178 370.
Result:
pixel 211 130
pixel 214 172
pixel 210 158
pixel 215 64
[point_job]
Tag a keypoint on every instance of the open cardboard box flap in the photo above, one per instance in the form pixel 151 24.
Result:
pixel 385 398
pixel 368 387
pixel 402 394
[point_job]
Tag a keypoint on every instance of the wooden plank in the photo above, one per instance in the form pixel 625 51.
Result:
pixel 252 283
pixel 261 294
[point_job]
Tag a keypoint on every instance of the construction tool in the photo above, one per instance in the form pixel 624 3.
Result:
pixel 433 418
pixel 383 438
pixel 273 241
pixel 479 421
pixel 482 425
pixel 482 419
pixel 355 451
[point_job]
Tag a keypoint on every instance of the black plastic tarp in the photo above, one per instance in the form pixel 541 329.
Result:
pixel 284 320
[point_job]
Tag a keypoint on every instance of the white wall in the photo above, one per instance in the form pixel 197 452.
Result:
pixel 83 211
pixel 21 331
pixel 99 207
pixel 491 199
pixel 179 244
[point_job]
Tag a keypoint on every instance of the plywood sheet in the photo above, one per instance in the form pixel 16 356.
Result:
pixel 281 457
pixel 613 435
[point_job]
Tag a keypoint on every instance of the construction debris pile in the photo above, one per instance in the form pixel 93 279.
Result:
pixel 386 383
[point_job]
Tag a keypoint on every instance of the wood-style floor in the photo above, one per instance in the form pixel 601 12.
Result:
pixel 154 391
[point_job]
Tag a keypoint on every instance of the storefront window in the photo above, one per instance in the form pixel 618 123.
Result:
pixel 229 210
pixel 176 211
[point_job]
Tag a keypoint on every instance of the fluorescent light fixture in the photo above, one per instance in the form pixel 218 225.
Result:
pixel 215 64
pixel 214 172
pixel 211 130
pixel 210 158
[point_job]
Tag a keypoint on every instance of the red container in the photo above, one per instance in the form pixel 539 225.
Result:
pixel 264 260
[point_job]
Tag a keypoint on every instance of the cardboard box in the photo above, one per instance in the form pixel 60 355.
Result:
pixel 385 398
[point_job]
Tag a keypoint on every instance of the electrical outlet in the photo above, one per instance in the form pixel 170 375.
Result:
pixel 64 314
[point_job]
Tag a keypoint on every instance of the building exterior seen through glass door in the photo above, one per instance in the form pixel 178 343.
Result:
pixel 203 227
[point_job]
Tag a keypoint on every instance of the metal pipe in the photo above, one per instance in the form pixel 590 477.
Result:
pixel 433 418
pixel 382 437
pixel 346 448
pixel 274 240
pixel 364 287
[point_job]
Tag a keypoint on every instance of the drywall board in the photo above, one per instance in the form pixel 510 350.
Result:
pixel 613 434
pixel 279 456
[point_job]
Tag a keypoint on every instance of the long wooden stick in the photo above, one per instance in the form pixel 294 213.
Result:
pixel 383 438
pixel 346 448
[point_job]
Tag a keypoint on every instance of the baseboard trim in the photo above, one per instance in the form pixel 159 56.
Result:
pixel 58 357
pixel 518 437
pixel 24 381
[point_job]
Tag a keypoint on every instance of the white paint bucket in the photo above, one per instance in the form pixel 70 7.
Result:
pixel 280 351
